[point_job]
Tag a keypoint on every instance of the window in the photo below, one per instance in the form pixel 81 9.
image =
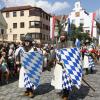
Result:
pixel 22 25
pixel 43 36
pixel 47 27
pixel 32 23
pixel 14 25
pixel 37 36
pixel 82 21
pixel 40 35
pixel 22 36
pixel 48 37
pixel 21 13
pixel 5 36
pixel 10 30
pixel 43 15
pixel 14 37
pixel 14 14
pixel 47 17
pixel 35 24
pixel 33 35
pixel 35 12
pixel 7 14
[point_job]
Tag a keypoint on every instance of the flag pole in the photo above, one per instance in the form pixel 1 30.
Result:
pixel 88 84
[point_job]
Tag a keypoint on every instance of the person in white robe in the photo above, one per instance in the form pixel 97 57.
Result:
pixel 27 48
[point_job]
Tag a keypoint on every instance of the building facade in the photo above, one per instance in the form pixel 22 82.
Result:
pixel 97 18
pixel 24 20
pixel 3 28
pixel 80 16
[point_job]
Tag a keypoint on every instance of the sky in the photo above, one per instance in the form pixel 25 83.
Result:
pixel 58 7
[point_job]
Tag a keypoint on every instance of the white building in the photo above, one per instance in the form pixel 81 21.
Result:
pixel 81 16
pixel 3 28
pixel 22 20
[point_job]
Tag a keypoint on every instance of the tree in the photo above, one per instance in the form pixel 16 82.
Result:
pixel 77 32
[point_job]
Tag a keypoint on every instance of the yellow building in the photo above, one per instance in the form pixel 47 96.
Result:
pixel 23 20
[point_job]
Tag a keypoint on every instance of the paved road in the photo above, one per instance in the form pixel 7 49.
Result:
pixel 46 92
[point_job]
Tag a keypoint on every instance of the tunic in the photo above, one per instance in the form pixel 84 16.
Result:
pixel 22 75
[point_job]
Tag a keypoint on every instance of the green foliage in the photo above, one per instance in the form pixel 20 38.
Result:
pixel 60 26
pixel 77 32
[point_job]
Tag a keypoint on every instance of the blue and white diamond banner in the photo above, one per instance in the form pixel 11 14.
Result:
pixel 32 62
pixel 71 59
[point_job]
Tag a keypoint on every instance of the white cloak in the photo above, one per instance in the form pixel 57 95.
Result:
pixel 57 78
pixel 22 70
pixel 85 62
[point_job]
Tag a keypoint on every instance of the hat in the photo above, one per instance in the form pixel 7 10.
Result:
pixel 28 38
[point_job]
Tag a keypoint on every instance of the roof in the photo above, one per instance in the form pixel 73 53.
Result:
pixel 17 8
pixel 61 16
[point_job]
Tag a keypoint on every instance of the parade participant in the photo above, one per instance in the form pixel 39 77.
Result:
pixel 97 53
pixel 92 59
pixel 88 62
pixel 45 58
pixel 24 79
pixel 3 64
pixel 11 59
pixel 83 50
pixel 64 76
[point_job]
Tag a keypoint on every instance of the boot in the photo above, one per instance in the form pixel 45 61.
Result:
pixel 31 94
pixel 65 98
pixel 26 93
pixel 65 94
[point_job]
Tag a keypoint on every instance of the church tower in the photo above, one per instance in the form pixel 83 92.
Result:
pixel 77 5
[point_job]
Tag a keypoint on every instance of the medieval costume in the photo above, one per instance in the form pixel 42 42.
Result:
pixel 88 62
pixel 11 59
pixel 30 71
pixel 68 70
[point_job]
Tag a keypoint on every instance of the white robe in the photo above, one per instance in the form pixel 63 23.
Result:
pixel 57 78
pixel 85 62
pixel 22 70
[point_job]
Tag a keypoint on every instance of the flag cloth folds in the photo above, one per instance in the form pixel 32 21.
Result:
pixel 32 63
pixel 71 59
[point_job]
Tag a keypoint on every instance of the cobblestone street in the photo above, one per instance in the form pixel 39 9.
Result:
pixel 46 92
